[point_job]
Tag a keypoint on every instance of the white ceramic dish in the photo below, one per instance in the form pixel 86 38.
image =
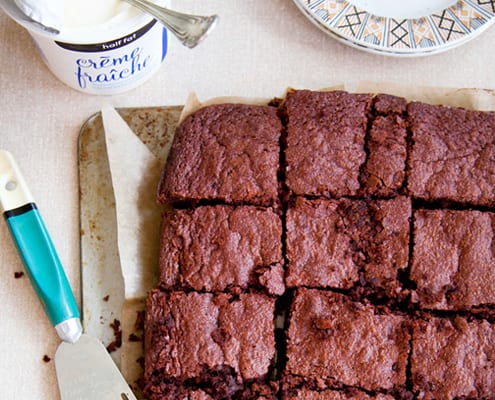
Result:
pixel 399 28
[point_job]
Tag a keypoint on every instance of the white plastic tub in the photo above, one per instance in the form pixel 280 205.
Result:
pixel 106 59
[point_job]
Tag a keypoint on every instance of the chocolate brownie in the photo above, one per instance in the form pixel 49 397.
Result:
pixel 200 340
pixel 221 247
pixel 382 214
pixel 226 152
pixel 306 394
pixel 453 259
pixel 453 359
pixel 386 164
pixel 340 243
pixel 337 342
pixel 453 154
pixel 325 141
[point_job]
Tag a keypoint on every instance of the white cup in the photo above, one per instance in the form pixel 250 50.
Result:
pixel 102 60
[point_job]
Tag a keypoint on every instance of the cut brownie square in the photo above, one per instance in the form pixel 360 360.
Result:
pixel 220 248
pixel 453 359
pixel 386 164
pixel 200 340
pixel 226 152
pixel 453 259
pixel 325 141
pixel 338 243
pixel 336 342
pixel 307 394
pixel 453 154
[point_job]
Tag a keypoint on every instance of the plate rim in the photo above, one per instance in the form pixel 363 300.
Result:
pixel 356 27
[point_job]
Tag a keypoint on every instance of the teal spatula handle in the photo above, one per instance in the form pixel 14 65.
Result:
pixel 37 251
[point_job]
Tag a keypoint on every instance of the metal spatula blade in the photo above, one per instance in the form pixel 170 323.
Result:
pixel 85 371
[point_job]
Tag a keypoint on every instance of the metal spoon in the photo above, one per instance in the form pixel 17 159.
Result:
pixel 189 29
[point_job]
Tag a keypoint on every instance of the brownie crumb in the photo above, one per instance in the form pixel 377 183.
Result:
pixel 18 274
pixel 117 331
pixel 46 359
pixel 106 298
pixel 139 324
pixel 134 338
pixel 112 347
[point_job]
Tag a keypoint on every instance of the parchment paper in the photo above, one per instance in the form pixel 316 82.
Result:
pixel 135 173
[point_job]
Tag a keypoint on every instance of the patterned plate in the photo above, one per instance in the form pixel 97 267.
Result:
pixel 401 28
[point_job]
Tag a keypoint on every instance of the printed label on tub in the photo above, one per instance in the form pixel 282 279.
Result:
pixel 108 67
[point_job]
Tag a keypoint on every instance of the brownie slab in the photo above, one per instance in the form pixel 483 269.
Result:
pixel 340 243
pixel 226 152
pixel 325 142
pixel 453 259
pixel 453 359
pixel 343 188
pixel 205 340
pixel 453 154
pixel 218 248
pixel 335 341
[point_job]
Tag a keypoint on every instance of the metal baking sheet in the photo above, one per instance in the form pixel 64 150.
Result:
pixel 101 278
pixel 102 283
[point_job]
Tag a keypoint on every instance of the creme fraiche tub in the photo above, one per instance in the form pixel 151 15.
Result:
pixel 101 52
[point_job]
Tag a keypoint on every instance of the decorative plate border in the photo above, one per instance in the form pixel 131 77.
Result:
pixel 429 34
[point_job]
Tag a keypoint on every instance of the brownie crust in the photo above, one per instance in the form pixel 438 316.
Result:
pixel 325 142
pixel 341 243
pixel 220 146
pixel 440 346
pixel 453 154
pixel 336 342
pixel 221 248
pixel 453 259
pixel 386 163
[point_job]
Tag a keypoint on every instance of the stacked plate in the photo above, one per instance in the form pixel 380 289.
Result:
pixel 401 28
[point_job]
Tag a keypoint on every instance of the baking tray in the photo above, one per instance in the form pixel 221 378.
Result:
pixel 102 285
pixel 102 282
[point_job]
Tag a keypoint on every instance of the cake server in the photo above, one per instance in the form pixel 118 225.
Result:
pixel 85 370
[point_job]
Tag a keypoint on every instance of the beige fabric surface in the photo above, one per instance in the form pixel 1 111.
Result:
pixel 258 50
